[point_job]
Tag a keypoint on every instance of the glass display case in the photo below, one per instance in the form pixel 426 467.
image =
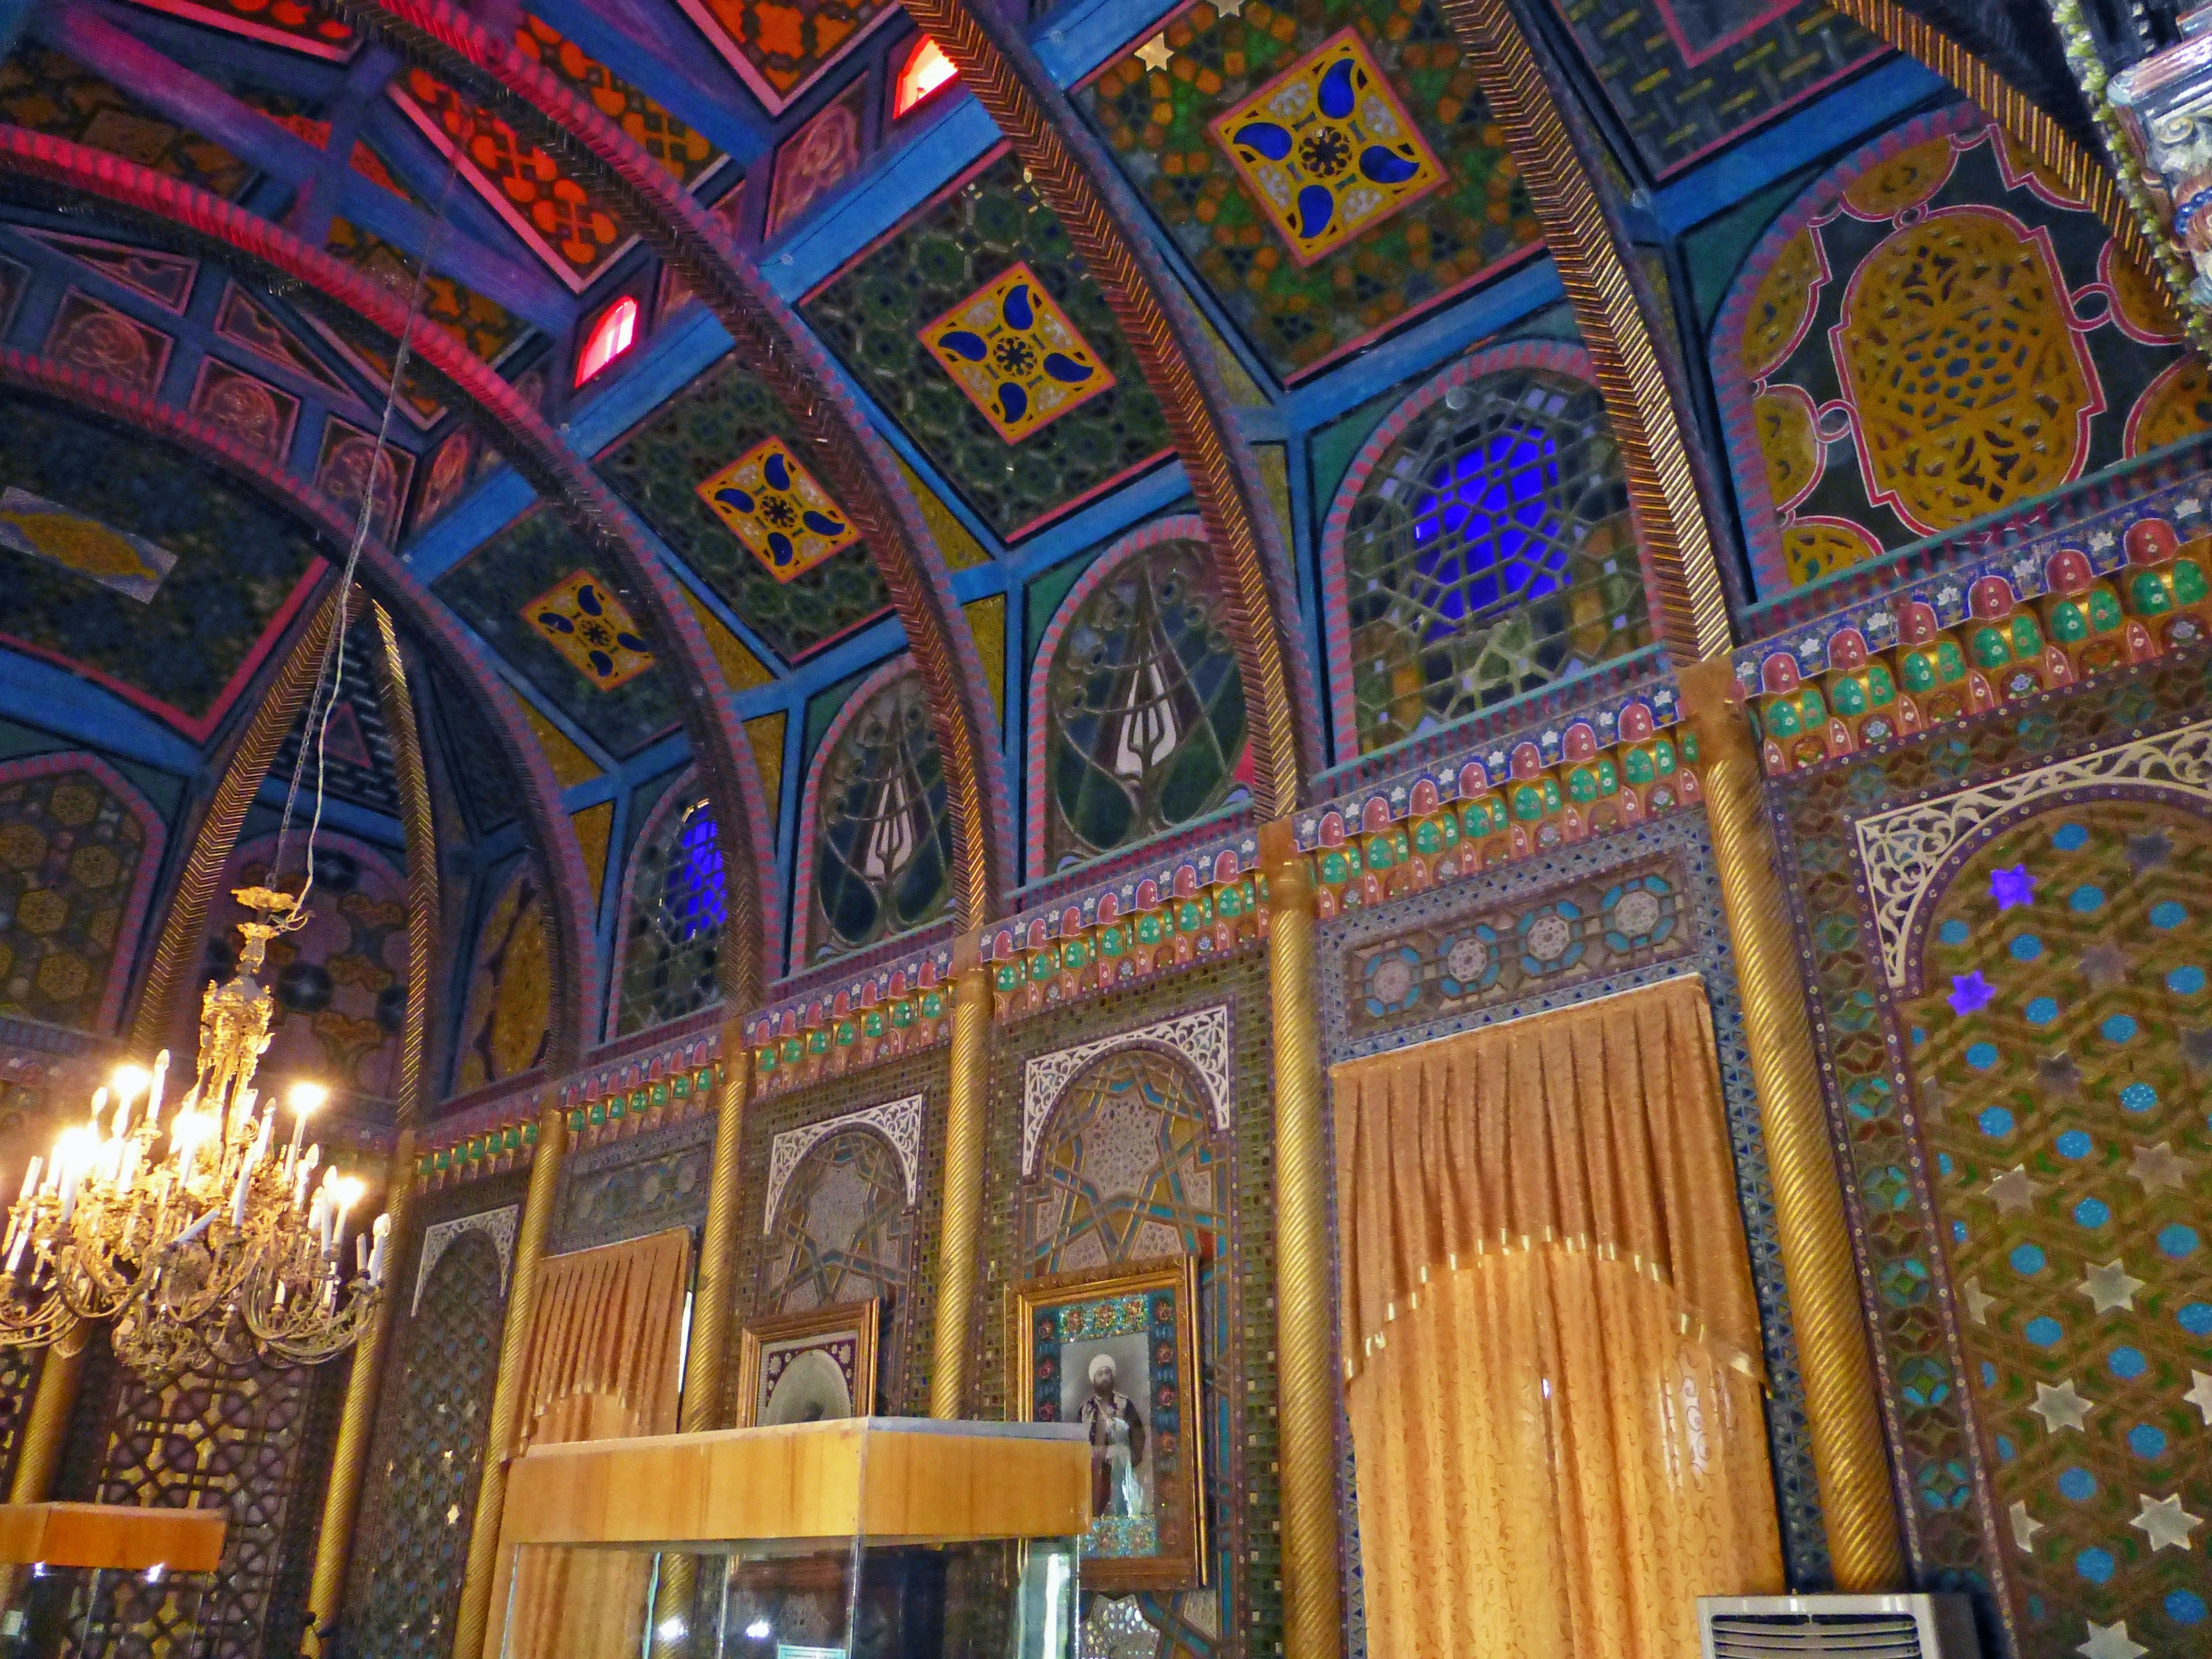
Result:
pixel 105 1579
pixel 872 1538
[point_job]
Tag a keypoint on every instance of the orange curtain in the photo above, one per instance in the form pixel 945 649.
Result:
pixel 601 1363
pixel 1550 1338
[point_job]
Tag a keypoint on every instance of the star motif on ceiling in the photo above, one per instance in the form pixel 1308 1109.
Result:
pixel 2024 1527
pixel 1934 1097
pixel 2148 852
pixel 2104 966
pixel 2109 1287
pixel 2061 1407
pixel 2011 887
pixel 1970 992
pixel 2058 1073
pixel 2200 1395
pixel 1156 54
pixel 2165 1522
pixel 2110 1642
pixel 1979 1300
pixel 2015 1189
pixel 1228 7
pixel 2157 1166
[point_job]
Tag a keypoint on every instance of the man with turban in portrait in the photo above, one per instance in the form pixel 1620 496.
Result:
pixel 1117 1444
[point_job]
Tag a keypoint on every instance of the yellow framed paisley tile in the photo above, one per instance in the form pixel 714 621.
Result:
pixel 1327 148
pixel 592 629
pixel 774 504
pixel 1012 351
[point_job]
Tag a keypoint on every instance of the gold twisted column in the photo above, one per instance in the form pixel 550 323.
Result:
pixel 1825 1308
pixel 960 1236
pixel 713 1300
pixel 1305 1369
pixel 350 1457
pixel 39 1448
pixel 471 1622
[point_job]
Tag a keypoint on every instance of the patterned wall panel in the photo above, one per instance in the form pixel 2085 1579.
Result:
pixel 1311 251
pixel 934 323
pixel 505 1021
pixel 44 90
pixel 1929 335
pixel 418 1499
pixel 845 1222
pixel 341 980
pixel 1623 911
pixel 627 1189
pixel 1685 76
pixel 2021 1088
pixel 79 849
pixel 1134 1156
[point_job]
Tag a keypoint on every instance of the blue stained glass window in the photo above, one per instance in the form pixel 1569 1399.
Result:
pixel 678 904
pixel 1489 554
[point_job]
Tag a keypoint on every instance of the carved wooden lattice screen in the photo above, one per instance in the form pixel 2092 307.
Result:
pixel 419 1499
pixel 235 1441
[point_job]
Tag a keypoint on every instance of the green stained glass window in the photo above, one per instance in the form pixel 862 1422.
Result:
pixel 677 901
pixel 1146 707
pixel 1489 553
pixel 882 846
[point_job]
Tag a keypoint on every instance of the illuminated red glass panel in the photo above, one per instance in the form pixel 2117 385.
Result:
pixel 609 338
pixel 927 70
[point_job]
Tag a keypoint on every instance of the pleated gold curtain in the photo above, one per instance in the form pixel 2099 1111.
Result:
pixel 1550 1338
pixel 602 1363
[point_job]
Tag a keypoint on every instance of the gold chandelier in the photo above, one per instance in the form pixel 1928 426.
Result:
pixel 200 1242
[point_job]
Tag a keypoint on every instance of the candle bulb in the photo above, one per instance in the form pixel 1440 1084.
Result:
pixel 99 1105
pixel 305 1097
pixel 382 1231
pixel 153 1091
pixel 360 1253
pixel 31 1179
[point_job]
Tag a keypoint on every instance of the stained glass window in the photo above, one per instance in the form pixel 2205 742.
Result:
pixel 1145 705
pixel 1489 554
pixel 678 905
pixel 609 338
pixel 883 847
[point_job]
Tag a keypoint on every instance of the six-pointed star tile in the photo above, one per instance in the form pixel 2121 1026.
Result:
pixel 2164 1521
pixel 2061 1407
pixel 2109 1287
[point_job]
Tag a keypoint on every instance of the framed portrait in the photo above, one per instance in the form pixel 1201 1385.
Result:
pixel 809 1367
pixel 1117 1350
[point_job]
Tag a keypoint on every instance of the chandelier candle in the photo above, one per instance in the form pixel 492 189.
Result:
pixel 199 1246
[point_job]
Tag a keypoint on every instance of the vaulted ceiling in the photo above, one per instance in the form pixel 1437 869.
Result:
pixel 217 218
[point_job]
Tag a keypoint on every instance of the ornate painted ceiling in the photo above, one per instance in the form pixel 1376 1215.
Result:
pixel 673 549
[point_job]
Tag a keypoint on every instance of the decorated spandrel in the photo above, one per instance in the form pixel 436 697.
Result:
pixel 1015 354
pixel 591 628
pixel 1328 148
pixel 774 504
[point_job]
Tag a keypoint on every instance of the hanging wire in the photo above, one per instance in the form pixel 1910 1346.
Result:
pixel 331 670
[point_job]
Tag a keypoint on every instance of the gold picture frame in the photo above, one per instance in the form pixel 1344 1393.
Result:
pixel 842 1336
pixel 1149 1531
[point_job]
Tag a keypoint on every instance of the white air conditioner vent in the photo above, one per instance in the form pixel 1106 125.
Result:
pixel 1836 1627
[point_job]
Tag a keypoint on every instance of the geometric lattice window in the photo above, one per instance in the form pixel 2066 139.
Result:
pixel 421 1485
pixel 883 850
pixel 1130 1169
pixel 234 1441
pixel 842 1230
pixel 1489 553
pixel 678 904
pixel 1145 705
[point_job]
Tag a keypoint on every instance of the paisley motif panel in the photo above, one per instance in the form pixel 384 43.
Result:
pixel 2060 1048
pixel 1930 334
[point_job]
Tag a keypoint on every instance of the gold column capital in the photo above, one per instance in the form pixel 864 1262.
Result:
pixel 960 1234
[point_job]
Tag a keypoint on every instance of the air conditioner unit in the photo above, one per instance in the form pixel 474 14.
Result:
pixel 1844 1626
